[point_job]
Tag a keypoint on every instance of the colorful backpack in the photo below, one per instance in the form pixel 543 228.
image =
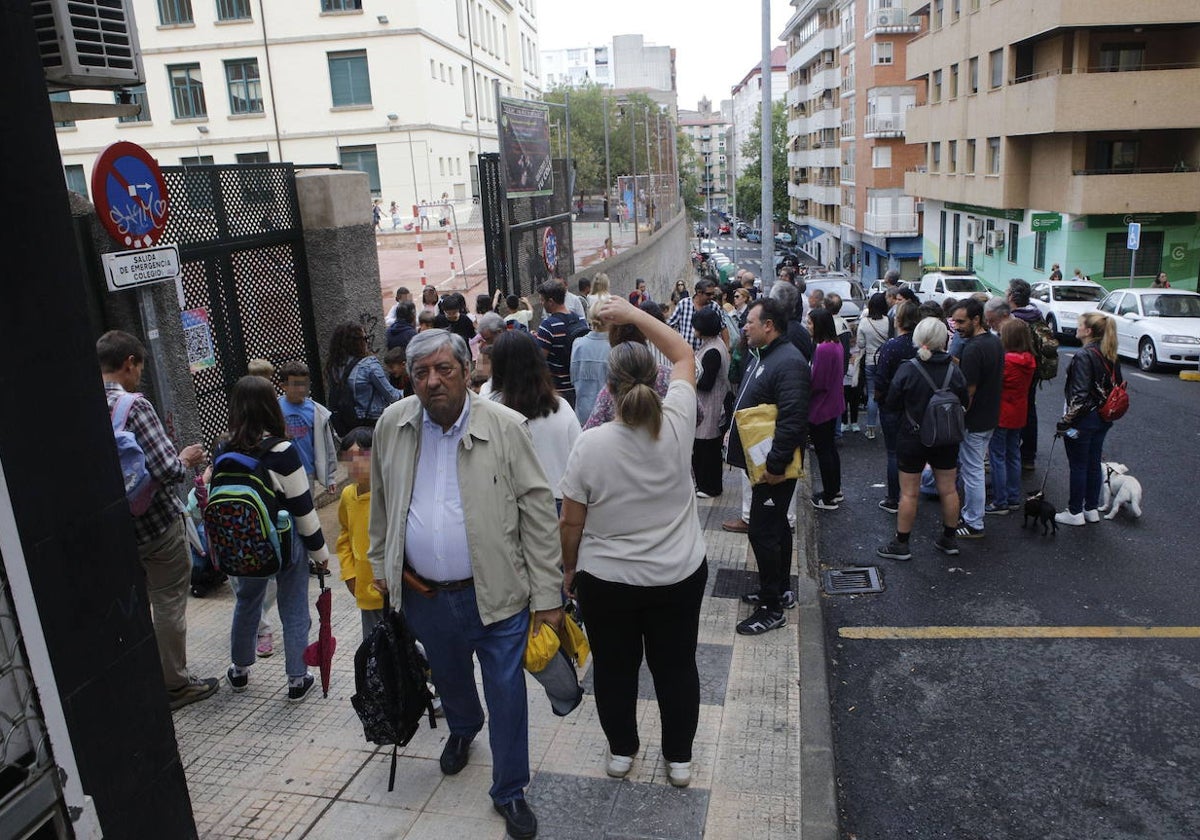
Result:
pixel 249 532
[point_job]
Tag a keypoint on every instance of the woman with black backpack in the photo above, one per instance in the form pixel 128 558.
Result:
pixel 359 388
pixel 257 453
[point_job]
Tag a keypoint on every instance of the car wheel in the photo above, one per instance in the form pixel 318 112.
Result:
pixel 1052 323
pixel 1147 356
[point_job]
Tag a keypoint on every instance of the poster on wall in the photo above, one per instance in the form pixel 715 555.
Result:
pixel 197 335
pixel 525 148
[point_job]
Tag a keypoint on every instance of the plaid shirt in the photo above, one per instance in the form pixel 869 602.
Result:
pixel 162 462
pixel 681 320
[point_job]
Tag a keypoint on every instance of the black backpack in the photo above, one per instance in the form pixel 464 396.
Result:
pixel 576 328
pixel 391 691
pixel 945 420
pixel 343 414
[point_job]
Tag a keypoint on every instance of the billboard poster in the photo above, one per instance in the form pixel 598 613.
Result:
pixel 525 148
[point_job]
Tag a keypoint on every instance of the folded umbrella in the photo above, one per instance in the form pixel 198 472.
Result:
pixel 320 653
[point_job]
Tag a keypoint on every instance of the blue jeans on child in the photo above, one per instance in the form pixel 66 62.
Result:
pixel 449 627
pixel 292 583
pixel 1004 452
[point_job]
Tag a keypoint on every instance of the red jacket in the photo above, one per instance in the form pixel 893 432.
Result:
pixel 1014 398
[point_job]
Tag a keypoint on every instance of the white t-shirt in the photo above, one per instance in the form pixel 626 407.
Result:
pixel 553 437
pixel 642 527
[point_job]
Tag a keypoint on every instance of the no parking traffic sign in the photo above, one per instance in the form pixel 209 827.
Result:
pixel 130 195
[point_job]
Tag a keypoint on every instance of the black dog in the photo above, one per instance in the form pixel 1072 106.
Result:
pixel 1038 509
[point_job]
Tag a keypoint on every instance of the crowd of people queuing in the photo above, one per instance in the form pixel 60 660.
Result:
pixel 500 466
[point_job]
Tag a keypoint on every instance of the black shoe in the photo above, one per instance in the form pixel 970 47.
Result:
pixel 519 820
pixel 454 755
pixel 761 621
pixel 819 502
pixel 890 505
pixel 787 600
pixel 895 550
pixel 297 693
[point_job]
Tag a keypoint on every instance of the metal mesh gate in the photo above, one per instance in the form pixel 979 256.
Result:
pixel 241 248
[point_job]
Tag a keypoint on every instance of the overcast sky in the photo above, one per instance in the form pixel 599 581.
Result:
pixel 716 43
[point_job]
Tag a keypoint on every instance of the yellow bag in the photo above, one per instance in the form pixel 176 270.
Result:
pixel 540 649
pixel 756 428
pixel 574 641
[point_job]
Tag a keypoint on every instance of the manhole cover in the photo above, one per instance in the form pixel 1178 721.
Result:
pixel 734 583
pixel 852 581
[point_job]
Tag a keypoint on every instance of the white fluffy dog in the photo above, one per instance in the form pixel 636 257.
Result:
pixel 1120 488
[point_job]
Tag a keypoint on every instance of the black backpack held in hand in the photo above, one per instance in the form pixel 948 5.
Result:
pixel 391 692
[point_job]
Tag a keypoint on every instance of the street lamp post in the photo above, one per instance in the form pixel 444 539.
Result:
pixel 607 177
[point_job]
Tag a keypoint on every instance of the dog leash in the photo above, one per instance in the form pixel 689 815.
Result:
pixel 1049 460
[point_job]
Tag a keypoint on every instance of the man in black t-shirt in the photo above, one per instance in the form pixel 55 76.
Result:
pixel 983 366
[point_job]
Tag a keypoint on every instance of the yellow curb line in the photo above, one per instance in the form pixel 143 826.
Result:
pixel 1019 632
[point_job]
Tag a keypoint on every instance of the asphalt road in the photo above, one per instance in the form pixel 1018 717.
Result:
pixel 964 738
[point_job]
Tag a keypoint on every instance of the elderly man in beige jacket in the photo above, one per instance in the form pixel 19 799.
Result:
pixel 463 524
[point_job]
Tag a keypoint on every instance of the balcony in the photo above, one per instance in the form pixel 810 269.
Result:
pixel 1075 102
pixel 820 156
pixel 1159 192
pixel 825 39
pixel 824 79
pixel 828 117
pixel 848 84
pixel 848 129
pixel 847 172
pixel 884 125
pixel 891 224
pixel 891 21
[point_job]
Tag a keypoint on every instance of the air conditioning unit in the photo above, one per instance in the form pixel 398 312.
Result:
pixel 919 207
pixel 885 17
pixel 87 43
pixel 995 239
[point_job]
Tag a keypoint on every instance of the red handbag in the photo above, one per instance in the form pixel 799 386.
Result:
pixel 1116 403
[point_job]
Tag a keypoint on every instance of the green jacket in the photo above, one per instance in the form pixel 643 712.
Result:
pixel 512 526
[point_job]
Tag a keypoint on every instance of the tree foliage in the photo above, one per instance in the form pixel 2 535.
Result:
pixel 749 184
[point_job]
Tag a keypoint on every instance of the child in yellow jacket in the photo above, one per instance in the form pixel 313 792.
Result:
pixel 353 513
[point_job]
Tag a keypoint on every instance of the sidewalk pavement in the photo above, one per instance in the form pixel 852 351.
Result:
pixel 258 767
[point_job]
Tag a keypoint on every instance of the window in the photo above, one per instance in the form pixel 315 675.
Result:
pixel 1014 230
pixel 996 68
pixel 935 157
pixel 203 160
pixel 362 159
pixel 1115 155
pixel 341 5
pixel 989 228
pixel 62 96
pixel 935 87
pixel 969 160
pixel 1116 58
pixel 233 9
pixel 187 91
pixel 953 81
pixel 245 89
pixel 174 12
pixel 442 71
pixel 993 153
pixel 955 9
pixel 1039 249
pixel 76 180
pixel 349 79
pixel 255 183
pixel 253 157
pixel 881 157
pixel 942 238
pixel 135 96
pixel 952 156
pixel 432 69
pixel 1149 256
pixel 881 52
pixel 939 14
pixel 467 93
pixel 957 227
pixel 458 14
pixel 973 76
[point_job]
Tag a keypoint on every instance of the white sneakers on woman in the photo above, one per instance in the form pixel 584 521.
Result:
pixel 619 765
pixel 1065 517
pixel 678 772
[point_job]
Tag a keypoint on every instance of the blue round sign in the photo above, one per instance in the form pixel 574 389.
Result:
pixel 130 195
pixel 550 248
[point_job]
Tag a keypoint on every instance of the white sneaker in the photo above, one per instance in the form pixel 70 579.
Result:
pixel 618 765
pixel 1092 515
pixel 680 773
pixel 1065 517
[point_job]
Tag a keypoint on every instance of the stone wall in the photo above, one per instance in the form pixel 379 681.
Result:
pixel 660 259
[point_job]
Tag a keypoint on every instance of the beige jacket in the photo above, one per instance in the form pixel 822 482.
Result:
pixel 512 526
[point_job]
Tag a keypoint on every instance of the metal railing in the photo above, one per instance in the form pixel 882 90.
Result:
pixel 1069 71
pixel 847 173
pixel 884 124
pixel 890 224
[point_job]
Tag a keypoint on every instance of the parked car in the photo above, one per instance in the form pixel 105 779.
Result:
pixel 706 246
pixel 1156 326
pixel 741 229
pixel 846 287
pixel 723 228
pixel 753 236
pixel 784 239
pixel 949 282
pixel 1063 301
pixel 878 286
pixel 720 259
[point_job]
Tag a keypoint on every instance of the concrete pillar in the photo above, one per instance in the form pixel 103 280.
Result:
pixel 343 265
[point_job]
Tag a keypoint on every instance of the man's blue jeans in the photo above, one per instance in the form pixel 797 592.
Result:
pixel 449 627
pixel 970 471
pixel 1084 454
pixel 1004 451
pixel 292 583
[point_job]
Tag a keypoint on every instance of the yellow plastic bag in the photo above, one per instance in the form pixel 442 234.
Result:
pixel 540 649
pixel 756 428
pixel 574 642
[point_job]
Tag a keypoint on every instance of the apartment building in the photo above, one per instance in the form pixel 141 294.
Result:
pixel 1049 126
pixel 747 103
pixel 400 90
pixel 880 228
pixel 577 66
pixel 707 131
pixel 813 39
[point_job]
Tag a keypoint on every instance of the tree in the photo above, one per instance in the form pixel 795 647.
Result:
pixel 749 185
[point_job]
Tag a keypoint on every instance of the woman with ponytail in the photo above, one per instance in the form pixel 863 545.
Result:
pixel 1094 371
pixel 907 396
pixel 632 547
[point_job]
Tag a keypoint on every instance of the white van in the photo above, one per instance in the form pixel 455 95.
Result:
pixel 957 283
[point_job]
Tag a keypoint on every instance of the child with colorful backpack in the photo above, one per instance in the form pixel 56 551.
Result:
pixel 260 523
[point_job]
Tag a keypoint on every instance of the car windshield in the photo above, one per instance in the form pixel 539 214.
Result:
pixel 964 284
pixel 1171 306
pixel 841 288
pixel 1077 294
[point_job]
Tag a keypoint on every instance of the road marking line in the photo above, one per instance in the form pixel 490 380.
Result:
pixel 1143 376
pixel 1019 632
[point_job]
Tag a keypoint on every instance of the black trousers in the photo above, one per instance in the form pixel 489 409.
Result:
pixel 771 538
pixel 622 621
pixel 828 459
pixel 1029 434
pixel 707 466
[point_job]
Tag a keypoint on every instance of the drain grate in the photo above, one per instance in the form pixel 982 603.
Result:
pixel 852 581
pixel 734 583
